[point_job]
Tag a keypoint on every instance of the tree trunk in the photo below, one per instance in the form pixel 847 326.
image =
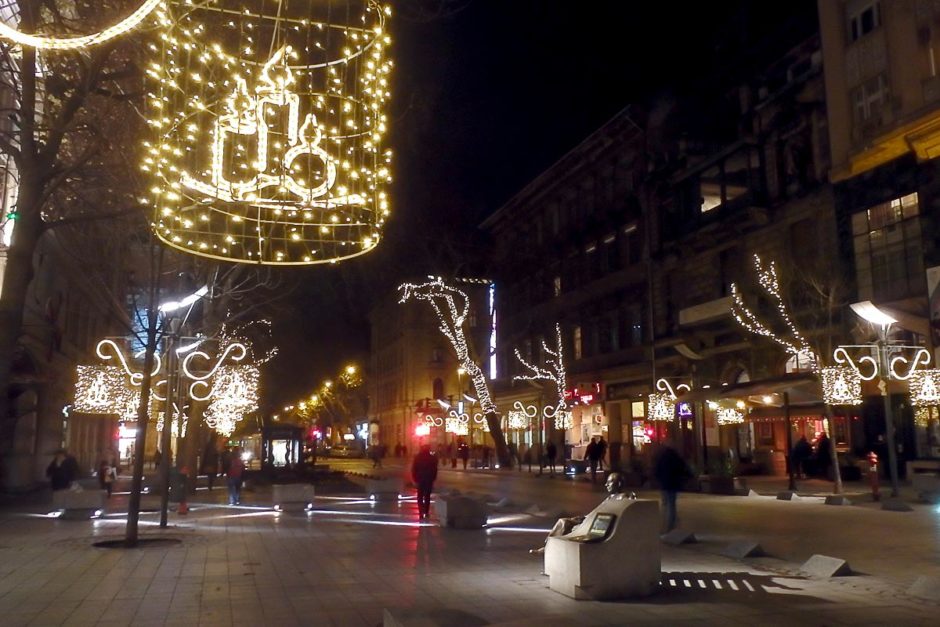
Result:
pixel 837 474
pixel 496 432
pixel 143 417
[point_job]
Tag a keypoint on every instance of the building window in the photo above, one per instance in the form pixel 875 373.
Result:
pixel 556 286
pixel 869 98
pixel 576 340
pixel 889 259
pixel 436 356
pixel 438 387
pixel 864 16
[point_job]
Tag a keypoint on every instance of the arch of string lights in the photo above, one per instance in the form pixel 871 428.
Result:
pixel 268 120
pixel 9 13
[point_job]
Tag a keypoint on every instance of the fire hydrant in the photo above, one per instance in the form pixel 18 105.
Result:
pixel 873 475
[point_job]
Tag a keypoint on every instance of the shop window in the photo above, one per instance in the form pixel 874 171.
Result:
pixel 576 341
pixel 765 433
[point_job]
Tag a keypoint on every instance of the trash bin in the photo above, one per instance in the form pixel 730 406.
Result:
pixel 177 486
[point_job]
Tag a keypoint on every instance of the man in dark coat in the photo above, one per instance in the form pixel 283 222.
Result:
pixel 670 472
pixel 590 456
pixel 423 473
pixel 551 452
pixel 62 471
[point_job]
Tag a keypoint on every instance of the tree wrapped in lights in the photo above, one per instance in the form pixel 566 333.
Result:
pixel 796 343
pixel 553 370
pixel 452 307
pixel 268 128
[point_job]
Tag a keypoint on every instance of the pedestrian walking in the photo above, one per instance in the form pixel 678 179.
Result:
pixel 671 472
pixel 513 452
pixel 210 463
pixel 522 454
pixel 235 472
pixel 157 459
pixel 107 475
pixel 551 452
pixel 800 456
pixel 376 454
pixel 590 456
pixel 62 471
pixel 423 473
pixel 602 453
pixel 225 460
pixel 823 455
pixel 452 454
pixel 487 451
pixel 464 451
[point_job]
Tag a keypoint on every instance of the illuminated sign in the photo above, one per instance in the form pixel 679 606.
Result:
pixel 583 396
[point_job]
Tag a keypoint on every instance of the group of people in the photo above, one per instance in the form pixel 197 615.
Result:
pixel 805 461
pixel 594 454
pixel 229 463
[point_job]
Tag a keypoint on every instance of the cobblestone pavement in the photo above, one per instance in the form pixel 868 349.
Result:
pixel 351 559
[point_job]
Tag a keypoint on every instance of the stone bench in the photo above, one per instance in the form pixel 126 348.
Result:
pixel 927 486
pixel 384 488
pixel 295 497
pixel 79 504
pixel 613 554
pixel 460 512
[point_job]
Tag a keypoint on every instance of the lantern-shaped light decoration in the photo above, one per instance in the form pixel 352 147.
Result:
pixel 518 420
pixel 841 385
pixel 101 390
pixel 268 123
pixel 922 416
pixel 455 425
pixel 234 393
pixel 925 387
pixel 661 406
pixel 563 419
pixel 729 416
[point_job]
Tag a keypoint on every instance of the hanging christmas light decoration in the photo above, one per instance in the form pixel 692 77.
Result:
pixel 925 387
pixel 923 416
pixel 268 128
pixel 729 416
pixel 233 394
pixel 53 42
pixel 455 425
pixel 101 390
pixel 842 385
pixel 662 406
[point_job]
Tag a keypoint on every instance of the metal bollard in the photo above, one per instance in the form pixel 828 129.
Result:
pixel 873 475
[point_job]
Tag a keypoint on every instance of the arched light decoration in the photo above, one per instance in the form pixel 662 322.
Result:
pixel 120 25
pixel 662 406
pixel 729 416
pixel 268 121
pixel 842 385
pixel 925 387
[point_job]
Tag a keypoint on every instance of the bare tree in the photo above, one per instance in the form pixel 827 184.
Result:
pixel 452 306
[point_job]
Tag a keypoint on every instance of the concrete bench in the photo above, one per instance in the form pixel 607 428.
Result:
pixel 79 504
pixel 613 554
pixel 460 512
pixel 292 496
pixel 384 488
pixel 927 486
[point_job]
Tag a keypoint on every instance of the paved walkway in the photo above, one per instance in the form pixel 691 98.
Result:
pixel 351 559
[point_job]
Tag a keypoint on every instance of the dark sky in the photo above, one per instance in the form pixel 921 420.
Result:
pixel 486 95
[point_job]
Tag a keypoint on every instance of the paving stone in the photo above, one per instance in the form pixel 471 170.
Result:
pixel 825 566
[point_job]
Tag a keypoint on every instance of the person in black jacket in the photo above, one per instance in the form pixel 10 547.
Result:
pixel 62 471
pixel 423 473
pixel 671 472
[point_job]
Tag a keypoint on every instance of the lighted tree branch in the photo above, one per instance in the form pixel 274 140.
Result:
pixel 553 370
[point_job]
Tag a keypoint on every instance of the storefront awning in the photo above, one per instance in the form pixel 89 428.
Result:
pixel 802 389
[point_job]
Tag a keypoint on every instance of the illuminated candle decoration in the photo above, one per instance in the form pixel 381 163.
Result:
pixel 925 387
pixel 518 420
pixel 661 406
pixel 564 420
pixel 268 129
pixel 53 42
pixel 100 390
pixel 842 385
pixel 456 426
pixel 729 416
pixel 234 394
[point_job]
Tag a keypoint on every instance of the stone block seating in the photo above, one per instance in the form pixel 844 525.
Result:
pixel 613 554
pixel 384 488
pixel 460 512
pixel 79 504
pixel 927 486
pixel 292 497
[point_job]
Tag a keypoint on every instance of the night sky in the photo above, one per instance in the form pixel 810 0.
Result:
pixel 486 95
